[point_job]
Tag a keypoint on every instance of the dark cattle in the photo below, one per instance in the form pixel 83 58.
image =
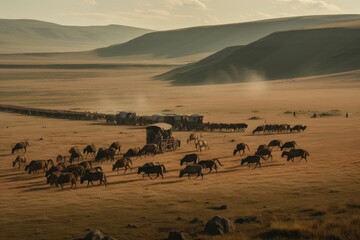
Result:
pixel 61 158
pixel 122 163
pixel 293 153
pixel 287 145
pixel 251 159
pixel 149 149
pixel 66 177
pixel 132 152
pixel 298 128
pixel 116 146
pixel 262 147
pixel 107 154
pixel 258 129
pixel 36 166
pixel 52 178
pixel 275 143
pixel 74 154
pixel 156 169
pixel 20 145
pixel 241 147
pixel 53 169
pixel 190 158
pixel 210 164
pixel 93 176
pixel 77 170
pixel 90 149
pixel 20 160
pixel 264 153
pixel 86 164
pixel 192 170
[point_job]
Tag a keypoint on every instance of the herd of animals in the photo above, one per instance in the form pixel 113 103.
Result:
pixel 66 171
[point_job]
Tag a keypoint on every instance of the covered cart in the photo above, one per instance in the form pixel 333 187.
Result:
pixel 161 135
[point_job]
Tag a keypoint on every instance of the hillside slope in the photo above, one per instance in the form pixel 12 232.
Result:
pixel 209 39
pixel 24 36
pixel 280 55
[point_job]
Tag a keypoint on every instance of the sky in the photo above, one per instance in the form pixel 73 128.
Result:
pixel 168 14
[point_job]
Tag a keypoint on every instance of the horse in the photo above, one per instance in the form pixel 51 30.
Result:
pixel 251 159
pixel 89 149
pixel 20 160
pixel 190 158
pixel 275 143
pixel 193 137
pixel 200 144
pixel 210 164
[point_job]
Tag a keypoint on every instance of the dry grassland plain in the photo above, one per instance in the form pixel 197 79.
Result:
pixel 318 199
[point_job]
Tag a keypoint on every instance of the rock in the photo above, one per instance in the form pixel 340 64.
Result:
pixel 94 235
pixel 176 236
pixel 132 226
pixel 218 226
pixel 97 235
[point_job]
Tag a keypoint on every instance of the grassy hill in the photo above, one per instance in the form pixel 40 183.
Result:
pixel 280 55
pixel 210 39
pixel 24 36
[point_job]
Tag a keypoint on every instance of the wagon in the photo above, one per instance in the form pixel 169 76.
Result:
pixel 161 135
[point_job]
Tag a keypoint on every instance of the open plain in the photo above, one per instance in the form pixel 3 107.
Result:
pixel 317 199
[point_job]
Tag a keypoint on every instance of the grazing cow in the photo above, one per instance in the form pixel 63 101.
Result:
pixel 53 169
pixel 275 143
pixel 66 177
pixel 86 164
pixel 20 145
pixel 107 154
pixel 293 153
pixel 241 147
pixel 148 169
pixel 89 149
pixel 61 158
pixel 52 178
pixel 75 154
pixel 210 164
pixel 116 146
pixel 190 158
pixel 122 163
pixel 193 137
pixel 77 170
pixel 298 128
pixel 262 147
pixel 258 129
pixel 290 145
pixel 191 170
pixel 20 160
pixel 132 152
pixel 93 176
pixel 36 165
pixel 264 153
pixel 251 159
pixel 200 144
pixel 149 149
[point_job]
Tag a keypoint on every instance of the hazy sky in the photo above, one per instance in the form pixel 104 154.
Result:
pixel 168 14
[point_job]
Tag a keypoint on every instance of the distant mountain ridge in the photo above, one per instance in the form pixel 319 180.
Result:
pixel 29 36
pixel 210 39
pixel 280 55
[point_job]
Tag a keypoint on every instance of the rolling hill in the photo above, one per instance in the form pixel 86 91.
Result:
pixel 25 36
pixel 210 39
pixel 280 55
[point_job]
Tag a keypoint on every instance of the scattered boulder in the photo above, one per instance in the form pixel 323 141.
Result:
pixel 218 226
pixel 132 226
pixel 176 236
pixel 94 235
pixel 97 235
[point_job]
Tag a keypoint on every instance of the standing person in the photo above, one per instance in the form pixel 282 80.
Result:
pixel 294 114
pixel 347 115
